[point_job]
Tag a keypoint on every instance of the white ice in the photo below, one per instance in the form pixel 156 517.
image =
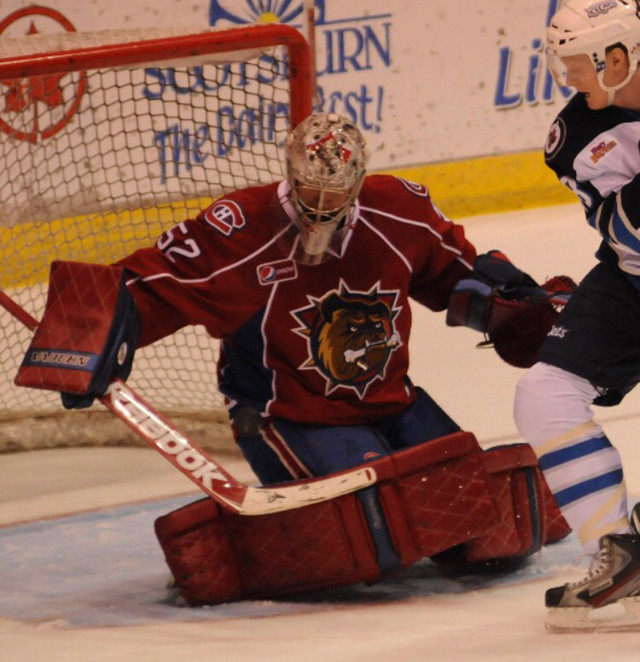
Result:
pixel 82 575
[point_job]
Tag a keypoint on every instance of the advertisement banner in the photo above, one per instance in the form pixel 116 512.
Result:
pixel 429 83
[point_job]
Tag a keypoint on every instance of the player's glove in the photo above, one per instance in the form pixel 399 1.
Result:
pixel 87 335
pixel 116 358
pixel 508 306
pixel 495 269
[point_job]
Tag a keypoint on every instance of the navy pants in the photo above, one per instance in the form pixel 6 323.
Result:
pixel 280 450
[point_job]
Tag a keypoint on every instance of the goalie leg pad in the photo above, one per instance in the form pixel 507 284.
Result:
pixel 438 496
pixel 218 557
pixel 431 497
pixel 88 332
pixel 528 514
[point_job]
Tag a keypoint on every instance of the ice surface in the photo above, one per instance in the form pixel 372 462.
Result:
pixel 83 577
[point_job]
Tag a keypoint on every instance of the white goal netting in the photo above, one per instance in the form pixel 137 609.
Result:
pixel 106 140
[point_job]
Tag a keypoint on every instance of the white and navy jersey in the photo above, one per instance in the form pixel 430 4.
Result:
pixel 314 344
pixel 596 153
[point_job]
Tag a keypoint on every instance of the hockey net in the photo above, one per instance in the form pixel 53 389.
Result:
pixel 106 140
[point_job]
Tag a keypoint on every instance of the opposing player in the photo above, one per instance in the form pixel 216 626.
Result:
pixel 592 354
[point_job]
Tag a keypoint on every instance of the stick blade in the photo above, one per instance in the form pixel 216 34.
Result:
pixel 265 500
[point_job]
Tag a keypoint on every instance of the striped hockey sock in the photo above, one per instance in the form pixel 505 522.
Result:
pixel 584 472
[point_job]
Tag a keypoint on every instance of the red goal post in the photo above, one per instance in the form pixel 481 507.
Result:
pixel 106 140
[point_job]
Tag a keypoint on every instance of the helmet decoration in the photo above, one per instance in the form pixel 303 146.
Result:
pixel 592 27
pixel 326 160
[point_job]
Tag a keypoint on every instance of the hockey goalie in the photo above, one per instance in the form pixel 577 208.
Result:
pixel 307 282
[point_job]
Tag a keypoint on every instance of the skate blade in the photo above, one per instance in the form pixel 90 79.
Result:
pixel 621 616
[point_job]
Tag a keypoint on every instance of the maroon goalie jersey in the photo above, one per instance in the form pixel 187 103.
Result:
pixel 322 344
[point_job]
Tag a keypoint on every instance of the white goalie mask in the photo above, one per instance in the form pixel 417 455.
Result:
pixel 591 27
pixel 326 158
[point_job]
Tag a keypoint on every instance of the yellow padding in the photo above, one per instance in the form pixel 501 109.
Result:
pixel 460 188
pixel 490 184
pixel 27 249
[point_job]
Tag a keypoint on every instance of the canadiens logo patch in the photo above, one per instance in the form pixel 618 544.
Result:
pixel 275 272
pixel 350 336
pixel 225 216
pixel 555 139
pixel 414 187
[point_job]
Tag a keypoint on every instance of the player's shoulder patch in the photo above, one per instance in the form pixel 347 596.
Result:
pixel 225 216
pixel 390 183
pixel 556 138
pixel 414 187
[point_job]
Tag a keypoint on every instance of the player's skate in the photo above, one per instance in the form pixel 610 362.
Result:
pixel 608 598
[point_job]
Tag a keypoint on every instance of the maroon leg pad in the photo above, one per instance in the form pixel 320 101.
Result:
pixel 433 496
pixel 528 515
pixel 556 526
pixel 440 496
pixel 216 556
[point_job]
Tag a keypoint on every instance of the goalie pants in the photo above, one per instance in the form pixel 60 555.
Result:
pixel 279 450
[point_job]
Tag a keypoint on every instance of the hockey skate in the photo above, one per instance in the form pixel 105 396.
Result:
pixel 608 598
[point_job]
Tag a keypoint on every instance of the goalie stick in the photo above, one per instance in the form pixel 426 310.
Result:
pixel 163 436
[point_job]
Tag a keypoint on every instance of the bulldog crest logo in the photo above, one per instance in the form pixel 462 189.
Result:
pixel 350 336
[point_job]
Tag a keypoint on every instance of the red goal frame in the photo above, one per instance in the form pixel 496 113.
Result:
pixel 78 53
pixel 301 76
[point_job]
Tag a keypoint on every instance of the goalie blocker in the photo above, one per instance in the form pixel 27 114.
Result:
pixel 508 306
pixel 445 499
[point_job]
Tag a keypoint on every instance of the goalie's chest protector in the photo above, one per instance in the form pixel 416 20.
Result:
pixel 336 336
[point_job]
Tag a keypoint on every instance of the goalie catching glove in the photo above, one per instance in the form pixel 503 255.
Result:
pixel 508 306
pixel 87 335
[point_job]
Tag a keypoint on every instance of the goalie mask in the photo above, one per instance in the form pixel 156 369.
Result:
pixel 326 158
pixel 591 27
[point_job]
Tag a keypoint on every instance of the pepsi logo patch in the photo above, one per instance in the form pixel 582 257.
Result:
pixel 276 272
